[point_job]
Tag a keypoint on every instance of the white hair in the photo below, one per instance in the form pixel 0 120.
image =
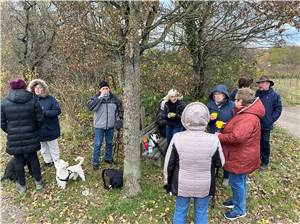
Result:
pixel 172 92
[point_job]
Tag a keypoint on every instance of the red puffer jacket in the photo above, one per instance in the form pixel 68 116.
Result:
pixel 241 139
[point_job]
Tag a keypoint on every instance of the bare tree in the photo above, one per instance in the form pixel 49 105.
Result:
pixel 215 30
pixel 36 28
pixel 126 29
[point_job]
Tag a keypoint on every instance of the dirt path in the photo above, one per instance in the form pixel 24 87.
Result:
pixel 290 120
pixel 10 213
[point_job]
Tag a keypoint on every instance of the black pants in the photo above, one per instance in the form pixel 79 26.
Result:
pixel 265 147
pixel 22 160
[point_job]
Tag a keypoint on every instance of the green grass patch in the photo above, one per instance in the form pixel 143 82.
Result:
pixel 289 89
pixel 273 195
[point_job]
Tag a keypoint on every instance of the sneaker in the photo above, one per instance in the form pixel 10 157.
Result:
pixel 95 167
pixel 228 204
pixel 263 167
pixel 48 164
pixel 233 215
pixel 39 184
pixel 20 188
pixel 109 161
pixel 225 182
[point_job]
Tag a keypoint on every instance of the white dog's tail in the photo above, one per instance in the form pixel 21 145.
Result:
pixel 80 159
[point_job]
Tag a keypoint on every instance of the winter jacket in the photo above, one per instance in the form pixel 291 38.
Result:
pixel 225 110
pixel 240 139
pixel 106 110
pixel 21 118
pixel 273 107
pixel 50 129
pixel 187 168
pixel 160 120
pixel 233 94
pixel 174 122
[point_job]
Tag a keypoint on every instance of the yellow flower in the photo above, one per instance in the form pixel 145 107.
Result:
pixel 214 115
pixel 219 124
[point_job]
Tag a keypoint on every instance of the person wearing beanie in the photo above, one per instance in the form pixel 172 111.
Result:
pixel 50 130
pixel 240 141
pixel 273 106
pixel 173 106
pixel 243 82
pixel 21 119
pixel 107 111
pixel 221 110
pixel 187 168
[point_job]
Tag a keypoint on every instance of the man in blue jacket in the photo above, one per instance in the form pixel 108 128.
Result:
pixel 273 107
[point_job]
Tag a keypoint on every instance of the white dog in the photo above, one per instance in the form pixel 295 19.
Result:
pixel 64 172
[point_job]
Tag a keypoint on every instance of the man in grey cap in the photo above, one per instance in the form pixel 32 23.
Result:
pixel 273 107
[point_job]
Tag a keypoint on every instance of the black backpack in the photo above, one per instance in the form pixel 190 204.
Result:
pixel 112 178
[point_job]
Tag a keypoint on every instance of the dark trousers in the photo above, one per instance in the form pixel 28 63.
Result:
pixel 265 147
pixel 21 161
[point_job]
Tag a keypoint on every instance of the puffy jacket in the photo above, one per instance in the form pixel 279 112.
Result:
pixel 21 118
pixel 225 110
pixel 240 139
pixel 273 107
pixel 50 129
pixel 187 168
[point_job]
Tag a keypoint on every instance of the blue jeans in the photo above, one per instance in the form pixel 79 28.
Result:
pixel 238 184
pixel 225 174
pixel 170 131
pixel 200 210
pixel 265 146
pixel 99 135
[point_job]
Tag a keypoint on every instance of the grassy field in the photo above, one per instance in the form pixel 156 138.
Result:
pixel 289 89
pixel 273 195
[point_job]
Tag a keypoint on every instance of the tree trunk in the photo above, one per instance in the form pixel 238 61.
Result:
pixel 131 136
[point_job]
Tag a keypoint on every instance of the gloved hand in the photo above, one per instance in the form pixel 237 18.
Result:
pixel 171 114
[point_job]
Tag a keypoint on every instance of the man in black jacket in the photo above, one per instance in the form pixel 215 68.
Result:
pixel 21 118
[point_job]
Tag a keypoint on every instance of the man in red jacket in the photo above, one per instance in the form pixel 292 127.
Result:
pixel 240 140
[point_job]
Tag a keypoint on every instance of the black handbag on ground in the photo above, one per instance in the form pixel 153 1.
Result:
pixel 112 178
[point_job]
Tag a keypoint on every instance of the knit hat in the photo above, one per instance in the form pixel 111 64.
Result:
pixel 17 84
pixel 195 116
pixel 104 84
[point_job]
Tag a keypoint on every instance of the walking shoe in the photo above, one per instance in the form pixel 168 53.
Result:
pixel 225 182
pixel 263 167
pixel 95 167
pixel 20 188
pixel 109 161
pixel 48 164
pixel 39 184
pixel 233 215
pixel 228 204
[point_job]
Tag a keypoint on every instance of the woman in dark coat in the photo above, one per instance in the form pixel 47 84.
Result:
pixel 21 118
pixel 173 108
pixel 50 131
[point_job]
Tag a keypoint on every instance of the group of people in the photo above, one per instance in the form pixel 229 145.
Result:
pixel 29 116
pixel 30 119
pixel 235 128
